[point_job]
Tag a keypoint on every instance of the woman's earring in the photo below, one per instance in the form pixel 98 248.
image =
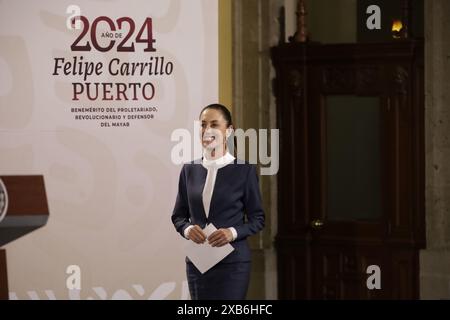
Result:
pixel 229 142
pixel 229 132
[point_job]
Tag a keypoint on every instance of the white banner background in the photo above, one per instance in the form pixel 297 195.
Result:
pixel 110 190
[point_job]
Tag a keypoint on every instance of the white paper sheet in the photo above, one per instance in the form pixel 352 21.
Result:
pixel 204 256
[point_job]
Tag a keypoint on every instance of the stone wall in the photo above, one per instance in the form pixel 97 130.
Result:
pixel 255 30
pixel 435 259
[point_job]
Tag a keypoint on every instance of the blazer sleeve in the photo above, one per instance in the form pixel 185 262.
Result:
pixel 180 214
pixel 253 207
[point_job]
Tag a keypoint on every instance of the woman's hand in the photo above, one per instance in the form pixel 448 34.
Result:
pixel 220 237
pixel 196 234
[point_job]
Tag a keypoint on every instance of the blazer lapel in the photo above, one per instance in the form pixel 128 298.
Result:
pixel 202 175
pixel 214 193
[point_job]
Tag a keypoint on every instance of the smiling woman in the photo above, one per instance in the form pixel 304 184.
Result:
pixel 223 191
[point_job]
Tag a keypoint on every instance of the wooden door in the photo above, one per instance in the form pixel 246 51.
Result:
pixel 351 170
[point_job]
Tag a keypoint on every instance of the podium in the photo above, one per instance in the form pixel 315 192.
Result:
pixel 23 209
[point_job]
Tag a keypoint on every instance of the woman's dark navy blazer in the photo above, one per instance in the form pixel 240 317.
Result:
pixel 235 202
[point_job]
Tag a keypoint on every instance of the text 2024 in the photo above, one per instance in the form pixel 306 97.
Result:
pixel 127 44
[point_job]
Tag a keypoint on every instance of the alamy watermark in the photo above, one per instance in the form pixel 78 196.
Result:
pixel 258 146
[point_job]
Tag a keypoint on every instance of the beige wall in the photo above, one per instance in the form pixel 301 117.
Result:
pixel 332 21
pixel 226 53
pixel 327 21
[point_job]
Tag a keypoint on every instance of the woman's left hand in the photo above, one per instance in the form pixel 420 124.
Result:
pixel 220 237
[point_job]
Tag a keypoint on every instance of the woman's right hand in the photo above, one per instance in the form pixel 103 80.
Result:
pixel 196 234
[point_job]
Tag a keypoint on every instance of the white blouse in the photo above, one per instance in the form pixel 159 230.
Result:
pixel 212 166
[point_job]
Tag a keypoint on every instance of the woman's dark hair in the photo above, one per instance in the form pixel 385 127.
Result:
pixel 225 112
pixel 227 116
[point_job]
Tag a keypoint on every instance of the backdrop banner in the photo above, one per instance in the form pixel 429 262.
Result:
pixel 90 94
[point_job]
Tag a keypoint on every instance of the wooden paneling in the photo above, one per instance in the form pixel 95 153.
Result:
pixel 26 194
pixel 331 262
pixel 3 276
pixel 27 211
